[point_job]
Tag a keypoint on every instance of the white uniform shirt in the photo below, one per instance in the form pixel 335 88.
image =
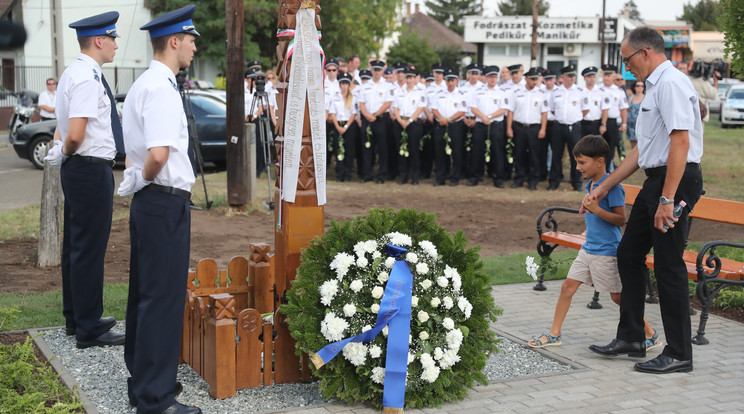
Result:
pixel 528 105
pixel 616 99
pixel 471 92
pixel 594 101
pixel 153 116
pixel 449 103
pixel 47 98
pixel 489 100
pixel 376 94
pixel 331 91
pixel 567 104
pixel 670 103
pixel 338 107
pixel 81 95
pixel 548 92
pixel 408 101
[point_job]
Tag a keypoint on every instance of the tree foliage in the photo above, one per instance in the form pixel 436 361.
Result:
pixel 451 12
pixel 522 7
pixel 414 50
pixel 631 9
pixel 732 25
pixel 702 15
pixel 450 57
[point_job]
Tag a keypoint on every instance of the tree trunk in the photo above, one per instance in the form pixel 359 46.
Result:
pixel 50 223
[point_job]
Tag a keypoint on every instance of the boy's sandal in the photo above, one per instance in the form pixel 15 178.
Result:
pixel 551 341
pixel 653 342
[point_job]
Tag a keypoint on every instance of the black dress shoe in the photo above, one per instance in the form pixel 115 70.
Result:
pixel 454 182
pixel 176 391
pixel 364 180
pixel 552 187
pixel 109 338
pixel 498 184
pixel 380 181
pixel 108 322
pixel 472 182
pixel 578 187
pixel 438 183
pixel 402 181
pixel 618 346
pixel 414 182
pixel 532 187
pixel 516 185
pixel 179 408
pixel 663 364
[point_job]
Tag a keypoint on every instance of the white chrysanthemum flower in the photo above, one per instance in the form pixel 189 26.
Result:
pixel 333 327
pixel 411 258
pixel 383 277
pixel 454 339
pixel 449 358
pixel 378 375
pixel 450 272
pixel 425 284
pixel 423 335
pixel 430 375
pixel 448 323
pixel 411 357
pixel 438 353
pixel 442 281
pixel 426 360
pixel 531 267
pixel 375 308
pixel 423 316
pixel 375 351
pixel 328 290
pixel 435 302
pixel 362 262
pixel 356 285
pixel 429 248
pixel 448 302
pixel 377 292
pixel 341 263
pixel 376 254
pixel 356 353
pixel 349 310
pixel 410 339
pixel 456 282
pixel 414 301
pixel 359 249
pixel 389 262
pixel 399 239
pixel 465 306
pixel 366 328
pixel 422 268
pixel 385 331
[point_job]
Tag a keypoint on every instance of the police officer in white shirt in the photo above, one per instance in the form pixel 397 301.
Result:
pixel 343 114
pixel 437 84
pixel 254 108
pixel 549 86
pixel 160 176
pixel 670 145
pixel 489 106
pixel 525 125
pixel 449 132
pixel 470 88
pixel 618 108
pixel 399 68
pixel 594 99
pixel 85 146
pixel 331 92
pixel 408 107
pixel 375 100
pixel 517 78
pixel 48 100
pixel 567 105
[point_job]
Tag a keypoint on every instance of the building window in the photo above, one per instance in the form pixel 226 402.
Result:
pixel 555 50
pixel 513 50
pixel 497 50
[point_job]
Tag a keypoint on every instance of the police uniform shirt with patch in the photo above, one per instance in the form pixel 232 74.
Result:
pixel 153 116
pixel 376 94
pixel 594 101
pixel 616 100
pixel 408 101
pixel 449 103
pixel 432 92
pixel 548 92
pixel 471 91
pixel 331 90
pixel 81 94
pixel 671 103
pixel 528 105
pixel 338 107
pixel 567 104
pixel 489 100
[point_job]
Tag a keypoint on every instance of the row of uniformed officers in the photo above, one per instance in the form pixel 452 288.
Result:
pixel 485 127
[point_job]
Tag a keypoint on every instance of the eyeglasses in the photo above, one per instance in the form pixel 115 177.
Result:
pixel 627 59
pixel 332 70
pixel 51 83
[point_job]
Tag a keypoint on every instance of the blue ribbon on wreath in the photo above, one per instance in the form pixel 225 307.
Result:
pixel 395 311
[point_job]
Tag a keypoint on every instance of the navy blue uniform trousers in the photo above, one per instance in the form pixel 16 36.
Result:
pixel 562 135
pixel 89 198
pixel 160 227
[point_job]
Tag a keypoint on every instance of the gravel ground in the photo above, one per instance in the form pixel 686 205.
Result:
pixel 101 375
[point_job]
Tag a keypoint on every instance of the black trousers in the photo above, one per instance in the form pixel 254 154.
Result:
pixel 331 143
pixel 670 270
pixel 409 166
pixel 612 136
pixel 563 135
pixel 526 154
pixel 427 153
pixel 544 144
pixel 159 227
pixel 379 145
pixel 345 167
pixel 496 134
pixel 89 201
pixel 590 127
pixel 456 131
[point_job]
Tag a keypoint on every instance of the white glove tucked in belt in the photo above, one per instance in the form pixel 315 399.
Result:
pixel 133 182
pixel 55 155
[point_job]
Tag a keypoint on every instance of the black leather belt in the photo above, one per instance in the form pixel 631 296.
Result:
pixel 567 125
pixel 651 172
pixel 526 125
pixel 342 123
pixel 588 122
pixel 169 190
pixel 94 160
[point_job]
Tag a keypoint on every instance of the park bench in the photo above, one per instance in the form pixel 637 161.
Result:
pixel 711 272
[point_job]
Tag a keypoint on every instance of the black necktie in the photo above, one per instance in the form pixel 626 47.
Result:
pixel 115 122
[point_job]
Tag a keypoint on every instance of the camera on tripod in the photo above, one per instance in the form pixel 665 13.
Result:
pixel 259 80
pixel 705 70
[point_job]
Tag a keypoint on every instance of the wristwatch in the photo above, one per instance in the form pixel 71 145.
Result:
pixel 664 200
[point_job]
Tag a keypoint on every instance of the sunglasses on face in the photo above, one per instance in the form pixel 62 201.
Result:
pixel 332 70
pixel 52 83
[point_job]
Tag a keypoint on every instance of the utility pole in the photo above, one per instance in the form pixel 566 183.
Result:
pixel 533 59
pixel 602 33
pixel 237 147
pixel 58 53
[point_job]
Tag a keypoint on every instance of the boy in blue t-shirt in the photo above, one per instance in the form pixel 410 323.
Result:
pixel 596 263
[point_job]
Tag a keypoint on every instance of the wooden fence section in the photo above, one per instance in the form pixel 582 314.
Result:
pixel 225 338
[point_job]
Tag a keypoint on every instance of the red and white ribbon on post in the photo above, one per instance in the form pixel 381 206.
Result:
pixel 305 82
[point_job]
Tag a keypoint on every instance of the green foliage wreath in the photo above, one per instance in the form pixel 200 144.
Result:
pixel 306 309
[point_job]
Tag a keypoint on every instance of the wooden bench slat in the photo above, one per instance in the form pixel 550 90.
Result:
pixel 707 208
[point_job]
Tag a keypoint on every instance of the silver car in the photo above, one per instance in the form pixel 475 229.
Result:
pixel 732 109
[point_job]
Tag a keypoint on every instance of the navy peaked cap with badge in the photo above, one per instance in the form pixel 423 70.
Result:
pixel 103 24
pixel 607 68
pixel 377 64
pixel 176 21
pixel 344 77
pixel 331 62
pixel 411 72
pixel 515 68
pixel 474 67
pixel 451 74
pixel 547 74
pixel 400 66
pixel 591 70
pixel 569 70
pixel 533 73
pixel 438 67
pixel 365 74
pixel 254 64
pixel 491 70
pixel 428 76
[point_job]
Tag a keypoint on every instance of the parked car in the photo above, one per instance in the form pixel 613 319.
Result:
pixel 732 110
pixel 723 87
pixel 209 114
